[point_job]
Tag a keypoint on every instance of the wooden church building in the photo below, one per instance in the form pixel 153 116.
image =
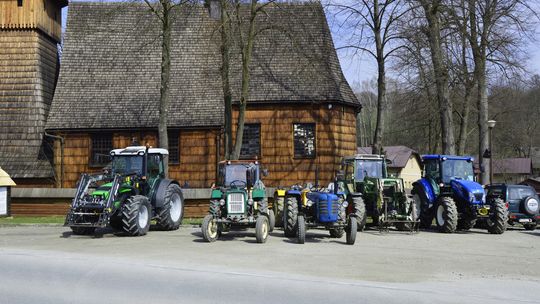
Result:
pixel 301 111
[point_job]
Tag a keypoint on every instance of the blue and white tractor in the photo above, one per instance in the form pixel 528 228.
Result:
pixel 308 207
pixel 449 193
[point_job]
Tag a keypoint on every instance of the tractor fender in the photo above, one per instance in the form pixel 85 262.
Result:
pixel 424 186
pixel 159 195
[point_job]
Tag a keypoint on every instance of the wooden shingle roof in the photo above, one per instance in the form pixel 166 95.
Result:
pixel 110 69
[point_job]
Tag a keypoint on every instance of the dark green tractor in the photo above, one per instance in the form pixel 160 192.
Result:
pixel 128 195
pixel 238 200
pixel 364 178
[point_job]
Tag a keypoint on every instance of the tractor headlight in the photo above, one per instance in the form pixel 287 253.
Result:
pixel 250 201
pixel 222 202
pixel 345 204
pixel 309 203
pixel 471 197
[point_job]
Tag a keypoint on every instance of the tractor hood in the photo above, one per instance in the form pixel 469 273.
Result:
pixel 469 191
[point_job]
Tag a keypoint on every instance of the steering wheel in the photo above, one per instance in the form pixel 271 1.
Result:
pixel 238 183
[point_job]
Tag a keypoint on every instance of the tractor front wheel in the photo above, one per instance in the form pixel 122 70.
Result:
pixel 352 227
pixel 446 215
pixel 261 229
pixel 210 229
pixel 498 218
pixel 290 217
pixel 136 214
pixel 301 226
pixel 171 213
pixel 425 213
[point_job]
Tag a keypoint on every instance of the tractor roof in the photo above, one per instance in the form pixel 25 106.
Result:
pixel 134 150
pixel 364 157
pixel 445 157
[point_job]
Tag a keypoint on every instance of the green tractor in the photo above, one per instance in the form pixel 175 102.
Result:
pixel 128 195
pixel 364 178
pixel 238 199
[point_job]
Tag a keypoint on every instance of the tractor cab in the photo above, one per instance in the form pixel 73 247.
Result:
pixel 238 174
pixel 443 169
pixel 355 169
pixel 141 163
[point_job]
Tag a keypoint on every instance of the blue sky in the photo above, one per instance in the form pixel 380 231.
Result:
pixel 362 67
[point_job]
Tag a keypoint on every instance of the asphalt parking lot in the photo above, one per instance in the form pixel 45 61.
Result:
pixel 390 267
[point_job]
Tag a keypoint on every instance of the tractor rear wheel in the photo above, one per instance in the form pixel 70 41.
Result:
pixel 278 206
pixel 529 226
pixel 271 220
pixel 360 211
pixel 262 228
pixel 301 225
pixel 446 215
pixel 290 216
pixel 83 230
pixel 136 215
pixel 498 218
pixel 171 213
pixel 210 229
pixel 352 227
pixel 336 232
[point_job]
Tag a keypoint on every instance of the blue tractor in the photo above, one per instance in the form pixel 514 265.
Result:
pixel 307 207
pixel 449 193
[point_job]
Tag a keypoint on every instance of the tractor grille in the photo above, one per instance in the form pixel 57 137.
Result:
pixel 478 196
pixel 235 203
pixel 323 207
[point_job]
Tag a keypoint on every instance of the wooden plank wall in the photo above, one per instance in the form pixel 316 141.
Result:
pixel 197 164
pixel 335 129
pixel 335 137
pixel 34 14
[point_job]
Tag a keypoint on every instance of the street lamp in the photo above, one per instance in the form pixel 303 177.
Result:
pixel 491 125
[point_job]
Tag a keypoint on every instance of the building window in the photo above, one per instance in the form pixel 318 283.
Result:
pixel 19 3
pixel 251 141
pixel 304 140
pixel 174 146
pixel 100 147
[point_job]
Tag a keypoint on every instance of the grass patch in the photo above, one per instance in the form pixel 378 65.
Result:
pixel 59 219
pixel 192 221
pixel 22 220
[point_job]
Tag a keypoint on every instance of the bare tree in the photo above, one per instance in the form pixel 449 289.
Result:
pixel 238 27
pixel 164 11
pixel 374 26
pixel 433 14
pixel 494 30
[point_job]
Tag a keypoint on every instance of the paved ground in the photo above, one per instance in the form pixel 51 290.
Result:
pixel 49 265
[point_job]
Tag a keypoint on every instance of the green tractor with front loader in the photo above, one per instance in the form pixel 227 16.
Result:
pixel 238 200
pixel 364 178
pixel 127 195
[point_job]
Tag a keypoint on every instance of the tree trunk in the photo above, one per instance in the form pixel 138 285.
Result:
pixel 479 56
pixel 482 103
pixel 246 60
pixel 381 82
pixel 432 13
pixel 464 126
pixel 225 64
pixel 165 76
